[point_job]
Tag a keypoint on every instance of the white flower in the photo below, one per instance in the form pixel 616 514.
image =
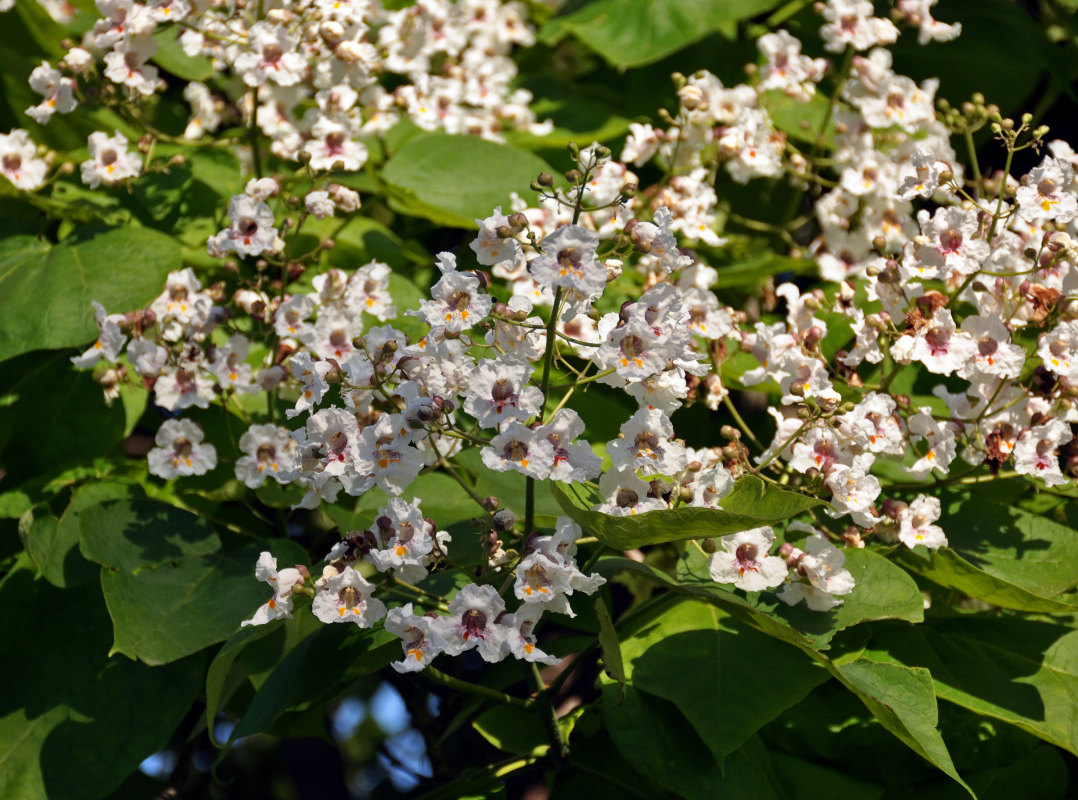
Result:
pixel 568 260
pixel 915 524
pixel 744 562
pixel 498 392
pixel 405 539
pixel 17 160
pixel 251 232
pixel 625 494
pixel 385 455
pixel 1035 451
pixel 268 451
pixel 319 204
pixel 1058 349
pixel 645 444
pixel 520 637
pixel 180 450
pixel 821 566
pixel 109 343
pixel 347 598
pixel 59 93
pixel 127 64
pixel 854 491
pixel 521 449
pixel 493 250
pixel 573 461
pixel 280 605
pixel 182 386
pixel 420 637
pixel 458 304
pixel 271 55
pixel 109 161
pixel 472 624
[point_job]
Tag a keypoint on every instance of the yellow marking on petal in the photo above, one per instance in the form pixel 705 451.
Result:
pixel 340 612
pixel 400 551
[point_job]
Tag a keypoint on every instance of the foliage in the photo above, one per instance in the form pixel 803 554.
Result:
pixel 821 518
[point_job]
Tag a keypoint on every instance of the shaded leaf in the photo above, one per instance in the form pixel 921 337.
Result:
pixel 58 556
pixel 134 534
pixel 1021 671
pixel 904 701
pixel 750 504
pixel 512 729
pixel 73 722
pixel 608 641
pixel 725 678
pixel 161 614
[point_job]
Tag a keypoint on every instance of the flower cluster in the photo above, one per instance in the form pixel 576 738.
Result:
pixel 964 283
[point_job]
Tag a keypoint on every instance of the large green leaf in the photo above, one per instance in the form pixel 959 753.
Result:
pixel 250 650
pixel 45 291
pixel 903 699
pixel 750 504
pixel 947 568
pixel 57 554
pixel 1021 671
pixel 881 591
pixel 1004 555
pixel 73 722
pixel 39 433
pixel 657 740
pixel 163 613
pixel 726 678
pixel 135 534
pixel 513 729
pixel 631 33
pixel 454 180
pixel 316 670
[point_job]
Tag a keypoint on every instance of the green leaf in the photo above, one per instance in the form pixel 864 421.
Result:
pixel 171 58
pixel 1003 555
pixel 1021 671
pixel 131 535
pixel 73 722
pixel 454 180
pixel 161 614
pixel 259 646
pixel 750 504
pixel 513 729
pixel 316 670
pixel 608 641
pixel 631 33
pixel 947 568
pixel 803 121
pixel 727 679
pixel 45 292
pixel 576 119
pixel 653 736
pixel 882 590
pixel 39 434
pixel 903 699
pixel 58 556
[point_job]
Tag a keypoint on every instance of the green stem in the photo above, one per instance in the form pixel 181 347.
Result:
pixel 967 134
pixel 550 717
pixel 437 676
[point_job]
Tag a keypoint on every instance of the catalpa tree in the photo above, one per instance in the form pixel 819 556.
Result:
pixel 498 399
